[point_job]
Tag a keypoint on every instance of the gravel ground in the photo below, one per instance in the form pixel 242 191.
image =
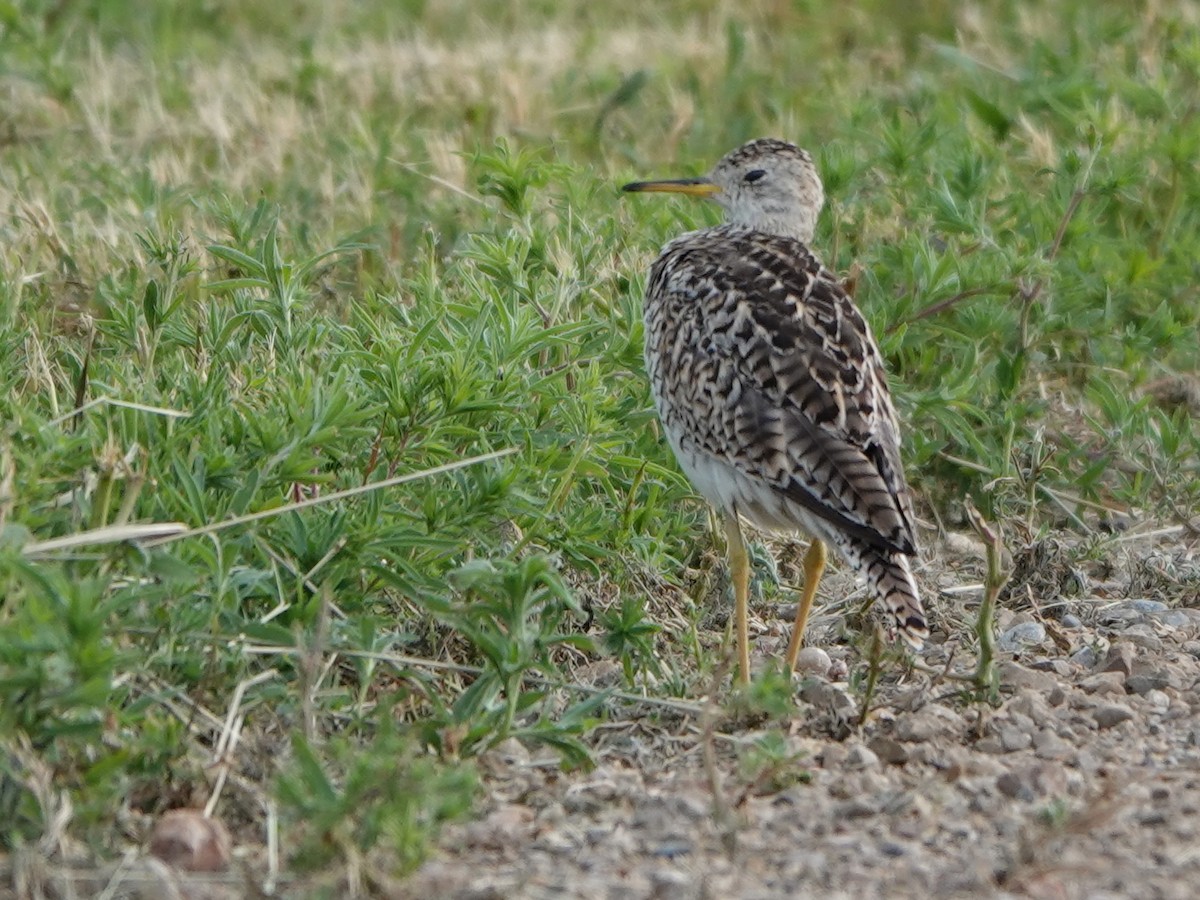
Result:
pixel 1084 782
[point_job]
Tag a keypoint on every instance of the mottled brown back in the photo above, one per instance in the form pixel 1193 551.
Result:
pixel 759 360
pixel 762 324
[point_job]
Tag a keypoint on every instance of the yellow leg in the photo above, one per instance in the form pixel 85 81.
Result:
pixel 814 565
pixel 739 571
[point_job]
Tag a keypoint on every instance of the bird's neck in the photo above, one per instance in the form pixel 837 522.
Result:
pixel 798 228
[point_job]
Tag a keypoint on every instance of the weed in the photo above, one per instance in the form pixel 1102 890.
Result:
pixel 348 800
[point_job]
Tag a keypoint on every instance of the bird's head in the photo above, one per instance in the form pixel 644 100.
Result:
pixel 767 184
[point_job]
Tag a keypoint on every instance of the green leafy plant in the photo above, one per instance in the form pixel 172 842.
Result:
pixel 345 799
pixel 515 615
pixel 629 635
pixel 768 765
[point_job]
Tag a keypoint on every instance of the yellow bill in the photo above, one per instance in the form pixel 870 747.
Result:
pixel 697 187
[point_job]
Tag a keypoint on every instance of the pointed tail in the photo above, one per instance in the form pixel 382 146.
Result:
pixel 890 580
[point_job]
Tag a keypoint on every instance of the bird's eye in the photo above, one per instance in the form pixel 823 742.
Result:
pixel 755 175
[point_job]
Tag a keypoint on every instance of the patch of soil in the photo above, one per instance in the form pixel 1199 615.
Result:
pixel 1084 782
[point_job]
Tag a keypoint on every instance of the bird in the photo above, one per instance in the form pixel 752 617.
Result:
pixel 771 388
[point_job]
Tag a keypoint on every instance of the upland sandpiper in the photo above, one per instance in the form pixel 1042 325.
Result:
pixel 771 389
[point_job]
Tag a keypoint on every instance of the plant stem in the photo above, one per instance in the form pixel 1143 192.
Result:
pixel 987 680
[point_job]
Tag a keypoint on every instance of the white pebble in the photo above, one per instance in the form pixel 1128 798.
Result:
pixel 1159 700
pixel 1022 635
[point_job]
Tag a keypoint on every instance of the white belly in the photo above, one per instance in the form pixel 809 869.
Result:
pixel 728 489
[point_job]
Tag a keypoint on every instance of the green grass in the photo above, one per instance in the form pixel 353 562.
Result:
pixel 309 252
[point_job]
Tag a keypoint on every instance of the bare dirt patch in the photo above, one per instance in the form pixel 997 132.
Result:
pixel 1083 782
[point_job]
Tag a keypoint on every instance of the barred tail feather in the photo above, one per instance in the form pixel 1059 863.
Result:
pixel 890 579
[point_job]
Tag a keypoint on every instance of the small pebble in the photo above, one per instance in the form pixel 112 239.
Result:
pixel 1143 635
pixel 827 698
pixel 1144 682
pixel 189 840
pixel 670 885
pixel 1014 739
pixel 1120 658
pixel 1056 665
pixel 558 842
pixel 1158 700
pixel 990 744
pixel 1024 635
pixel 926 724
pixel 813 661
pixel 1013 785
pixel 1029 708
pixel 1015 675
pixel 1070 620
pixel 1179 709
pixel 1085 656
pixel 889 750
pixel 1145 606
pixel 1048 745
pixel 672 847
pixel 1110 716
pixel 1104 683
pixel 1173 618
pixel 833 756
pixel 967 545
pixel 860 757
pixel 857 808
